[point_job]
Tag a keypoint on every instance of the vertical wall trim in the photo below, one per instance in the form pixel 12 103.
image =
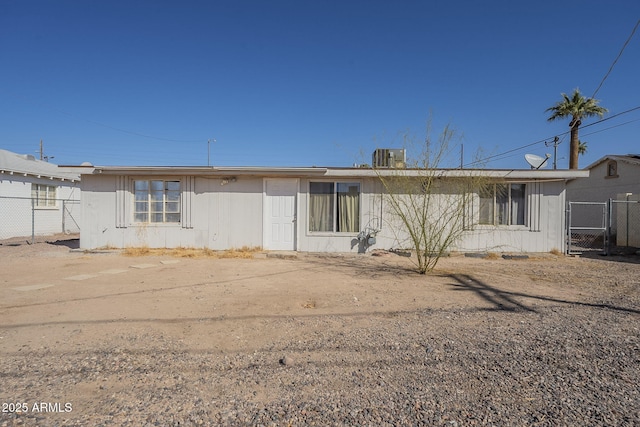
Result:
pixel 188 189
pixel 122 207
pixel 534 190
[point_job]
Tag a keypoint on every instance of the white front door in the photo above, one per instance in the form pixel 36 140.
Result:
pixel 280 214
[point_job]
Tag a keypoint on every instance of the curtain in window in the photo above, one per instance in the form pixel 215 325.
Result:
pixel 502 204
pixel 320 206
pixel 348 207
pixel 517 204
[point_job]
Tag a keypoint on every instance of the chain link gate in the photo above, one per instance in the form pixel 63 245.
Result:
pixel 70 216
pixel 587 227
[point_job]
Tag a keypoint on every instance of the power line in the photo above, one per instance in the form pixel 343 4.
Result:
pixel 501 156
pixel 103 124
pixel 130 132
pixel 611 117
pixel 495 156
pixel 617 57
pixel 611 127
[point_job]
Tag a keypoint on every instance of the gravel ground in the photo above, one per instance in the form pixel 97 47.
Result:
pixel 554 363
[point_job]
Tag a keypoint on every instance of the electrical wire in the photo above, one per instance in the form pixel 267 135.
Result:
pixel 500 156
pixel 611 117
pixel 103 124
pixel 564 134
pixel 611 127
pixel 617 57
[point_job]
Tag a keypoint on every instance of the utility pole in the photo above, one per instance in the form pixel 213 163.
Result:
pixel 42 156
pixel 555 143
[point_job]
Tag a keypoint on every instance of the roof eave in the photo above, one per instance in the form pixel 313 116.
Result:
pixel 334 172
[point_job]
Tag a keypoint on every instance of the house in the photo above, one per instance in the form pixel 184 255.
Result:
pixel 312 209
pixel 37 197
pixel 608 177
pixel 616 178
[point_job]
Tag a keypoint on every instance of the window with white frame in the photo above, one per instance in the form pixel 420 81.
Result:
pixel 502 204
pixel 44 196
pixel 157 201
pixel 334 207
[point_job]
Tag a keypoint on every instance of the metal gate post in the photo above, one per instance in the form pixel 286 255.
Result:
pixel 33 221
pixel 608 235
pixel 569 228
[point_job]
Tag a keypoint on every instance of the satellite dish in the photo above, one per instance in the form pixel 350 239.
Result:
pixel 536 162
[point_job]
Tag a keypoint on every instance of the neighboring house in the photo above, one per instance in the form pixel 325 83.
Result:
pixel 37 197
pixel 609 176
pixel 612 177
pixel 302 209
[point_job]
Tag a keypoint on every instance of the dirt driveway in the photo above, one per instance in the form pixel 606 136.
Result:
pixel 107 339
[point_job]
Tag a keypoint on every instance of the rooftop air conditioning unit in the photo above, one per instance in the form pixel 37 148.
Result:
pixel 389 158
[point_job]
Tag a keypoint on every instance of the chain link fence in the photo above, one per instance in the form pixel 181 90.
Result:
pixel 608 228
pixel 25 217
pixel 586 227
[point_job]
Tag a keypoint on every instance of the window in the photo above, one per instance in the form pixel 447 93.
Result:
pixel 612 169
pixel 502 204
pixel 44 196
pixel 334 207
pixel 157 201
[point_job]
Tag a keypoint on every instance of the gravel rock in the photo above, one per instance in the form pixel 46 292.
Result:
pixel 551 361
pixel 574 365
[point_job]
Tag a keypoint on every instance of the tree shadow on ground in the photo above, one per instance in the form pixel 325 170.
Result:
pixel 363 264
pixel 503 300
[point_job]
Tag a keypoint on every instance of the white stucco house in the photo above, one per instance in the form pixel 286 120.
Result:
pixel 313 209
pixel 608 177
pixel 612 177
pixel 37 197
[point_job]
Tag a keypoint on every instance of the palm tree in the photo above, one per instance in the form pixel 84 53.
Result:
pixel 576 107
pixel 582 147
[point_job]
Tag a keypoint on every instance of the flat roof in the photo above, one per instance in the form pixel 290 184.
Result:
pixel 337 172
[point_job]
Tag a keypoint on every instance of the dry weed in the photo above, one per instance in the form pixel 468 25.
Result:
pixel 244 252
pixel 309 304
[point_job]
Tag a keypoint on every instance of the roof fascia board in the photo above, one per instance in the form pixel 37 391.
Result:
pixel 339 172
pixel 457 173
pixel 40 176
pixel 206 171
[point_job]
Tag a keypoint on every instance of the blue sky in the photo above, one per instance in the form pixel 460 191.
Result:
pixel 303 83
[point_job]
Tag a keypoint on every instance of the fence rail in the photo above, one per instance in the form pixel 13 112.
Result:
pixel 27 217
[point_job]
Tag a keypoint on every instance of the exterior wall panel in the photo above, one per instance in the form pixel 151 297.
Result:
pixel 221 213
